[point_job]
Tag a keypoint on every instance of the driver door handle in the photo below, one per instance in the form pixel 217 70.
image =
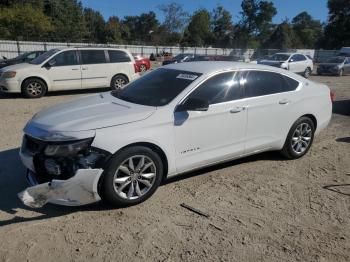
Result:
pixel 237 109
pixel 284 102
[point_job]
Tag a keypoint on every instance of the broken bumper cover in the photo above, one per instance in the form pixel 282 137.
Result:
pixel 79 190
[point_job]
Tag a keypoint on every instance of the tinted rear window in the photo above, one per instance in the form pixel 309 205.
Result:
pixel 158 87
pixel 93 56
pixel 117 56
pixel 291 84
pixel 260 83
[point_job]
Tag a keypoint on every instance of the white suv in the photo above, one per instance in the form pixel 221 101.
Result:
pixel 68 69
pixel 297 63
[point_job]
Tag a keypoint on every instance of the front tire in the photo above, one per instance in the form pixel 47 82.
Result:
pixel 132 176
pixel 143 68
pixel 118 82
pixel 307 72
pixel 299 139
pixel 33 88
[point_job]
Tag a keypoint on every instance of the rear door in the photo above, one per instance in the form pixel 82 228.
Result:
pixel 298 63
pixel 94 73
pixel 270 98
pixel 65 71
pixel 120 63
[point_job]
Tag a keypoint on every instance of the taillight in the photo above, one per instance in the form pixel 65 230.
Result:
pixel 136 68
pixel 332 95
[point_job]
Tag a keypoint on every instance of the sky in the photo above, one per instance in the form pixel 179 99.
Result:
pixel 285 8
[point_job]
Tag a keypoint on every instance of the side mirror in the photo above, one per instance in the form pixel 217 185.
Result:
pixel 291 60
pixel 193 104
pixel 49 64
pixel 4 57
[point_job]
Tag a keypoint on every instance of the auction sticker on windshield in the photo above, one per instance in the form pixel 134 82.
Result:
pixel 187 76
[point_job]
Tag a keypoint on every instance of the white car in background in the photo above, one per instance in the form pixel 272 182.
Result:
pixel 69 69
pixel 119 146
pixel 294 62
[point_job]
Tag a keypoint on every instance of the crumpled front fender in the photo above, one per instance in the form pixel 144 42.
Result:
pixel 79 190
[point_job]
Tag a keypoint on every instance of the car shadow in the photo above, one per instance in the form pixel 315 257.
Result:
pixel 271 156
pixel 343 139
pixel 343 189
pixel 342 107
pixel 12 181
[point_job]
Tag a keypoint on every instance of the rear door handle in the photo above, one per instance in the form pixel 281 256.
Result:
pixel 75 69
pixel 85 68
pixel 237 109
pixel 284 102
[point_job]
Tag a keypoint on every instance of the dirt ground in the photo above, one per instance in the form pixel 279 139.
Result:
pixel 262 208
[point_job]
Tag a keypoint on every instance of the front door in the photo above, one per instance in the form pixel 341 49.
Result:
pixel 205 137
pixel 64 71
pixel 94 68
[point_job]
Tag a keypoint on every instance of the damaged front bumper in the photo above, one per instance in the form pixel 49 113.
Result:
pixel 79 190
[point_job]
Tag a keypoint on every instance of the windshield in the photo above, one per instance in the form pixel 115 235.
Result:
pixel 157 88
pixel 180 57
pixel 41 58
pixel 336 60
pixel 279 57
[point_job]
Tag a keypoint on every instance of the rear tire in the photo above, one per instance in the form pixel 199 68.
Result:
pixel 118 82
pixel 33 88
pixel 128 183
pixel 299 139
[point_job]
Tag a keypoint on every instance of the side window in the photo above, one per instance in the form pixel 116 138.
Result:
pixel 65 58
pixel 294 58
pixel 93 57
pixel 290 84
pixel 301 58
pixel 219 88
pixel 31 56
pixel 261 83
pixel 116 56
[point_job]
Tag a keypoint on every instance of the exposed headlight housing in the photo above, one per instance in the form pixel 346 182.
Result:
pixel 67 148
pixel 9 74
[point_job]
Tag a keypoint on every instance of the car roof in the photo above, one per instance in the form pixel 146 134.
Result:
pixel 207 67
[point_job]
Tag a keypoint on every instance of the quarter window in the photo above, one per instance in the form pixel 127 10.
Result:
pixel 93 56
pixel 65 58
pixel 116 56
pixel 290 85
pixel 260 83
pixel 219 88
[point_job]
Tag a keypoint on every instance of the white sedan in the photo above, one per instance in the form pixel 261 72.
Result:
pixel 294 62
pixel 119 146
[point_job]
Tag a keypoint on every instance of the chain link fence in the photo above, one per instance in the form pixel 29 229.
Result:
pixel 10 49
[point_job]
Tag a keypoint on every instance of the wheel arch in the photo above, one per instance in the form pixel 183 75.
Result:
pixel 313 119
pixel 35 77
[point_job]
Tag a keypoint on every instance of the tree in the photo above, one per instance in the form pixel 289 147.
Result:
pixel 175 17
pixel 283 37
pixel 222 27
pixel 308 30
pixel 113 30
pixel 68 20
pixel 198 31
pixel 95 25
pixel 23 22
pixel 337 31
pixel 255 24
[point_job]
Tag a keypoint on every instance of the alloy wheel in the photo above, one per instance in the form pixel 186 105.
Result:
pixel 301 138
pixel 134 177
pixel 35 88
pixel 119 83
pixel 143 68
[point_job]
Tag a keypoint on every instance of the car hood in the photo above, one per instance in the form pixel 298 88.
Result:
pixel 270 62
pixel 19 67
pixel 89 113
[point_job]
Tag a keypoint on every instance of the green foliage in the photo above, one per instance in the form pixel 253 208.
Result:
pixel 68 19
pixel 22 22
pixel 95 25
pixel 113 30
pixel 337 31
pixel 198 32
pixel 308 30
pixel 283 37
pixel 175 17
pixel 222 27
